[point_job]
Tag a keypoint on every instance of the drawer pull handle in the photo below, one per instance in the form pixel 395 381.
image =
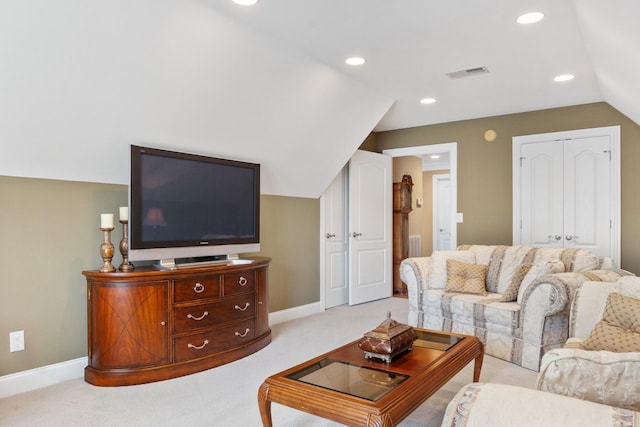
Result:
pixel 198 288
pixel 199 347
pixel 191 316
pixel 246 305
pixel 242 335
pixel 242 281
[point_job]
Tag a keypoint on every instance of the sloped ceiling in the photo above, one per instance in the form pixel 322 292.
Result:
pixel 82 79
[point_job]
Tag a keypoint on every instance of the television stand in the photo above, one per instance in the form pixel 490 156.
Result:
pixel 151 325
pixel 171 264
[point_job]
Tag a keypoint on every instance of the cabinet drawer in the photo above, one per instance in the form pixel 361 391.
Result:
pixel 196 288
pixel 206 343
pixel 240 282
pixel 204 315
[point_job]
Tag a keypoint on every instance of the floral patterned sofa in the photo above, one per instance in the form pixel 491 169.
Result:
pixel 516 299
pixel 499 405
pixel 601 360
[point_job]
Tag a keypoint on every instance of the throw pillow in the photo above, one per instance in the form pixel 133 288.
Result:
pixel 466 278
pixel 438 268
pixel 511 293
pixel 539 270
pixel 619 329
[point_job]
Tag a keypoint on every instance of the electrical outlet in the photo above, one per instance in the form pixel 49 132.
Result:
pixel 16 341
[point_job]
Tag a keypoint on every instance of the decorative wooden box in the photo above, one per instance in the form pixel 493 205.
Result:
pixel 388 340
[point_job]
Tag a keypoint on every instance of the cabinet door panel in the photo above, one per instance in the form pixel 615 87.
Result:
pixel 129 325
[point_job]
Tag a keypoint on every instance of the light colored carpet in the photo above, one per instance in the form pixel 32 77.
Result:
pixel 227 395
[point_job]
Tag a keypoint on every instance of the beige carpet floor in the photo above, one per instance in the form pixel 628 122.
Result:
pixel 227 396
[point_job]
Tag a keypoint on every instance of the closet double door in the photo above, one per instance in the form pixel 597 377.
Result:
pixel 566 190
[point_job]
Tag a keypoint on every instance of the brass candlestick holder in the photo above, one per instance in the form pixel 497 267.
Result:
pixel 106 251
pixel 124 247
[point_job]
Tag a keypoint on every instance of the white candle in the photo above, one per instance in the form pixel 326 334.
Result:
pixel 106 220
pixel 124 213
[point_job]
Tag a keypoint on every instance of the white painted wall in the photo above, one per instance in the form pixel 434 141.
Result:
pixel 80 80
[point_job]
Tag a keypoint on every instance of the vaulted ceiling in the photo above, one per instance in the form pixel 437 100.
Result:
pixel 410 46
pixel 82 79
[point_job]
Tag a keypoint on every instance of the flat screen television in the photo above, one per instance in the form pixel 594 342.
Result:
pixel 186 209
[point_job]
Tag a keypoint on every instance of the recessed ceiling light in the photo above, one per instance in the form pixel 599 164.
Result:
pixel 530 18
pixel 563 78
pixel 427 101
pixel 245 2
pixel 434 156
pixel 355 60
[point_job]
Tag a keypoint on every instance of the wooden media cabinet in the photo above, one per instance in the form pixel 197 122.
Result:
pixel 151 325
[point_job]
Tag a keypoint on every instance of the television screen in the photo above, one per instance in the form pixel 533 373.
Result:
pixel 181 200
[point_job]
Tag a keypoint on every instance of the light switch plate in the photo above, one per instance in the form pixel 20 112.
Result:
pixel 16 341
pixel 459 217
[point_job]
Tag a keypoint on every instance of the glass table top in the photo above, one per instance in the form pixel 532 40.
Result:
pixel 435 340
pixel 359 381
pixel 362 381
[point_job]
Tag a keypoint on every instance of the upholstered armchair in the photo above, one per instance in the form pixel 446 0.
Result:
pixel 604 318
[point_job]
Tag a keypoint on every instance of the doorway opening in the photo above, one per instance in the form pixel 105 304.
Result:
pixel 424 152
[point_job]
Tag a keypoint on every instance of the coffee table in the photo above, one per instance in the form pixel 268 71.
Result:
pixel 343 386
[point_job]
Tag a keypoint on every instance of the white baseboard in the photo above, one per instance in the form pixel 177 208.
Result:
pixel 294 313
pixel 44 376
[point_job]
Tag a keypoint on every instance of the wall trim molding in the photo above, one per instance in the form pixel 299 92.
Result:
pixel 44 376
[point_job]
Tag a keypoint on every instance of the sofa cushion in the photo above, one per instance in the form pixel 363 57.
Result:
pixel 502 261
pixel 619 329
pixel 465 278
pixel 438 268
pixel 591 297
pixel 483 311
pixel 511 293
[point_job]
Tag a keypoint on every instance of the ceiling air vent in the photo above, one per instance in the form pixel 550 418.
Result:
pixel 468 72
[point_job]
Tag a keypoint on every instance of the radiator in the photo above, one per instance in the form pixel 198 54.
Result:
pixel 415 245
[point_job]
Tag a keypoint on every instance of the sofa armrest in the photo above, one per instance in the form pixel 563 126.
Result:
pixel 544 311
pixel 549 294
pixel 414 272
pixel 501 405
pixel 553 293
pixel 599 376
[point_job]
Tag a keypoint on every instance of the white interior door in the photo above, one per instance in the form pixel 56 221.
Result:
pixel 335 241
pixel 542 204
pixel 567 190
pixel 587 182
pixel 442 212
pixel 370 227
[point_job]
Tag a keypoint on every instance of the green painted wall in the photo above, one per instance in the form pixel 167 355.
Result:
pixel 50 230
pixel 50 234
pixel 485 172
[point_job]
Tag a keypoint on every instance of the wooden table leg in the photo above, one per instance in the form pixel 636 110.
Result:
pixel 265 405
pixel 477 366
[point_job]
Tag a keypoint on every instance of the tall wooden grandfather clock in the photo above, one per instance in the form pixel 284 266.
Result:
pixel 401 208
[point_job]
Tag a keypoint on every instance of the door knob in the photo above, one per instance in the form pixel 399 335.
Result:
pixel 557 237
pixel 570 237
pixel 354 234
pixel 330 235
